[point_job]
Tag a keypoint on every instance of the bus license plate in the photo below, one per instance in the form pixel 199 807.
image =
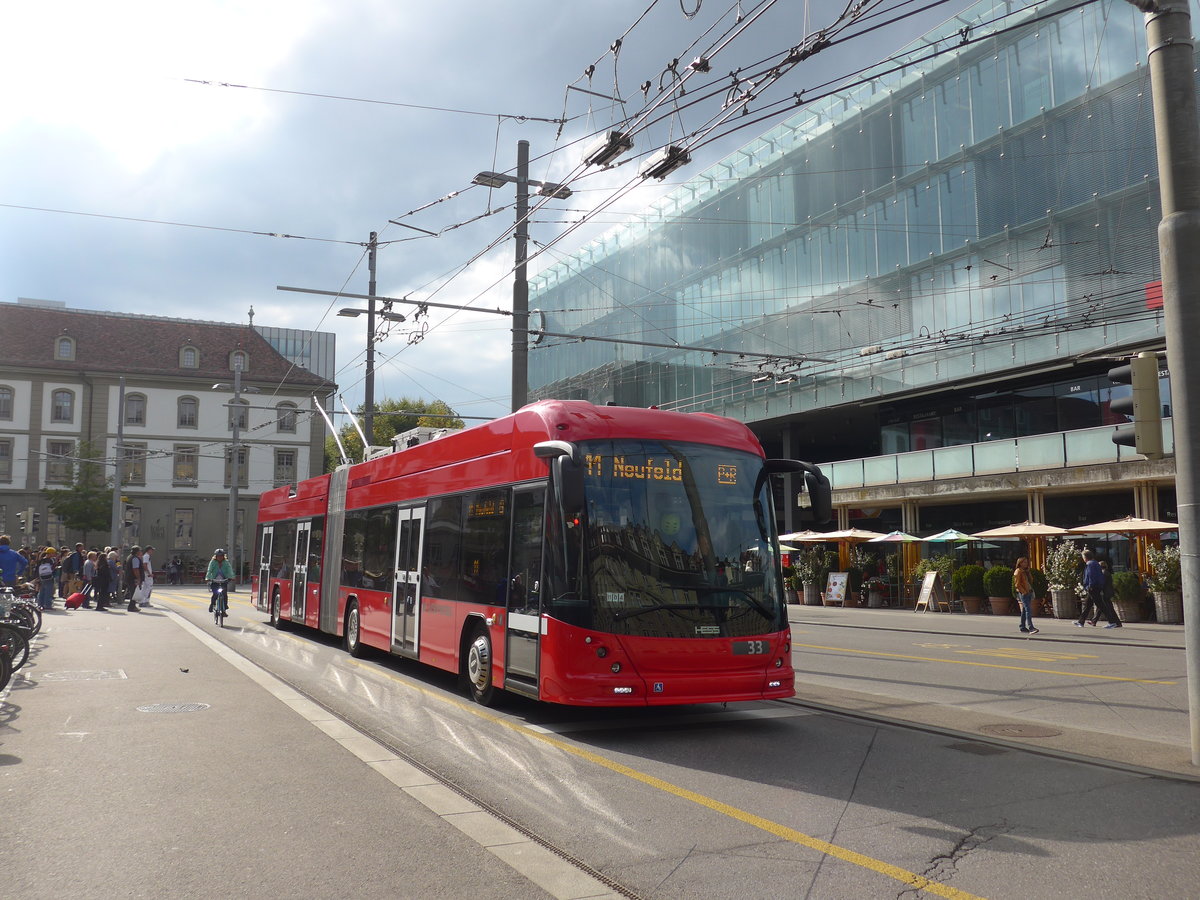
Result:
pixel 745 648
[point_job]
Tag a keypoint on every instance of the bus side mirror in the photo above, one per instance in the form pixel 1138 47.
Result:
pixel 820 495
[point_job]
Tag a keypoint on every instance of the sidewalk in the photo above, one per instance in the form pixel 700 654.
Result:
pixel 140 757
pixel 1043 723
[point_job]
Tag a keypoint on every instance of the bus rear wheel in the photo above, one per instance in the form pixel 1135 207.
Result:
pixel 478 667
pixel 353 631
pixel 276 610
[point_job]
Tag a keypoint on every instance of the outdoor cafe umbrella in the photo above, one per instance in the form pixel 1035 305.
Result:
pixel 894 537
pixel 1140 529
pixel 811 537
pixel 950 535
pixel 1033 533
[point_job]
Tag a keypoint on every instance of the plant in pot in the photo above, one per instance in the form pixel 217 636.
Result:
pixel 1127 596
pixel 997 582
pixel 1166 581
pixel 791 585
pixel 810 572
pixel 1062 573
pixel 967 583
pixel 860 560
pixel 876 588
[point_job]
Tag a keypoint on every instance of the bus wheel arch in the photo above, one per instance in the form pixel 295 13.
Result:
pixel 477 662
pixel 353 630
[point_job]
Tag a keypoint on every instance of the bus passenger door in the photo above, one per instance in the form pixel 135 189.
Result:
pixel 524 588
pixel 300 571
pixel 263 599
pixel 406 588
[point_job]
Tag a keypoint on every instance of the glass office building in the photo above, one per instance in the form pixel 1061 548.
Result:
pixel 927 268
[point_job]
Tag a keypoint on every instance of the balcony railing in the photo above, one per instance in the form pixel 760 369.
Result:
pixel 1058 450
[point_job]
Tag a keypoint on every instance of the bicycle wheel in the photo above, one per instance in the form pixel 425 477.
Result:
pixel 24 619
pixel 33 611
pixel 15 645
pixel 5 669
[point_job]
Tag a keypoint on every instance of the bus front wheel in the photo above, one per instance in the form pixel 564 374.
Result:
pixel 276 610
pixel 478 666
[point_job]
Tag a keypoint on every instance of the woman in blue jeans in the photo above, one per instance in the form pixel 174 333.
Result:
pixel 47 573
pixel 1023 586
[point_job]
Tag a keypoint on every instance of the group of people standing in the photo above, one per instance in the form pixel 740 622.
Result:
pixel 99 575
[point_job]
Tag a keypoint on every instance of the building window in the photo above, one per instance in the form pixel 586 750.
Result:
pixel 64 348
pixel 184 470
pixel 6 403
pixel 133 524
pixel 189 412
pixel 6 445
pixel 135 409
pixel 62 406
pixel 133 459
pixel 184 521
pixel 189 358
pixel 285 467
pixel 58 461
pixel 239 361
pixel 286 417
pixel 243 468
pixel 240 409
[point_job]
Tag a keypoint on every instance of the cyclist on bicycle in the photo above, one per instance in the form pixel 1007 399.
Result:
pixel 220 570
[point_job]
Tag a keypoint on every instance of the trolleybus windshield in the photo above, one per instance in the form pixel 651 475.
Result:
pixel 675 542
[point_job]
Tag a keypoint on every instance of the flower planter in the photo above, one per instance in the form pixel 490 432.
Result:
pixel 972 604
pixel 1065 604
pixel 1128 610
pixel 874 599
pixel 1168 607
pixel 811 594
pixel 1002 606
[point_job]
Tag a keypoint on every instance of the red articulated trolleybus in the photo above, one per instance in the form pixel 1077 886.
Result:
pixel 577 554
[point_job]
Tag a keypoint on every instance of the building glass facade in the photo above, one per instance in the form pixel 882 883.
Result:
pixel 985 212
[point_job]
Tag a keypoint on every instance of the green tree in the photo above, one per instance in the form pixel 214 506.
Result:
pixel 85 504
pixel 391 418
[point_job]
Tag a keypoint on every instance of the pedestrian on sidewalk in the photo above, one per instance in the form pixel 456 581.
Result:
pixel 1023 587
pixel 133 577
pixel 12 563
pixel 102 581
pixel 147 576
pixel 89 578
pixel 47 573
pixel 1093 584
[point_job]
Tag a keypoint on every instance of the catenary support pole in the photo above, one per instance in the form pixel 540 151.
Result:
pixel 369 399
pixel 1172 63
pixel 114 537
pixel 520 325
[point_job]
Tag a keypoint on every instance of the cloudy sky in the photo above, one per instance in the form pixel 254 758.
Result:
pixel 133 178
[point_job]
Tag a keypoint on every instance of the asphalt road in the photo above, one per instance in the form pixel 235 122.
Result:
pixel 762 799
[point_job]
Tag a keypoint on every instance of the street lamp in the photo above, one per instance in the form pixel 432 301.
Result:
pixel 235 458
pixel 520 363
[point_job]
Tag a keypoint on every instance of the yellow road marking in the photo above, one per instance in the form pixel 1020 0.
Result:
pixel 912 879
pixel 1039 655
pixel 966 662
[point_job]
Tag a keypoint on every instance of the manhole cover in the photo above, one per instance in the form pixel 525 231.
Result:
pixel 1020 731
pixel 173 707
pixel 83 675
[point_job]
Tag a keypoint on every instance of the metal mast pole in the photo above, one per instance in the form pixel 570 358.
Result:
pixel 369 401
pixel 520 328
pixel 235 470
pixel 1171 58
pixel 114 537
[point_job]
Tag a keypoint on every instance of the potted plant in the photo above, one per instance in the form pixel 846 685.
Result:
pixel 876 587
pixel 810 573
pixel 791 585
pixel 1062 574
pixel 997 582
pixel 1166 581
pixel 967 583
pixel 1127 596
pixel 859 561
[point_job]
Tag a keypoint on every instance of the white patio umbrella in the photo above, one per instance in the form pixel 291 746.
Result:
pixel 950 535
pixel 894 537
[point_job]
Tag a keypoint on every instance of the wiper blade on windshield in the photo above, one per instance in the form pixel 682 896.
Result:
pixel 727 589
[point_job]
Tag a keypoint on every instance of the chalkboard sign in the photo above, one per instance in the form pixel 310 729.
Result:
pixel 836 587
pixel 932 595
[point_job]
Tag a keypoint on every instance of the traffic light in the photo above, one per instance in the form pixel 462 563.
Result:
pixel 1143 406
pixel 21 519
pixel 37 522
